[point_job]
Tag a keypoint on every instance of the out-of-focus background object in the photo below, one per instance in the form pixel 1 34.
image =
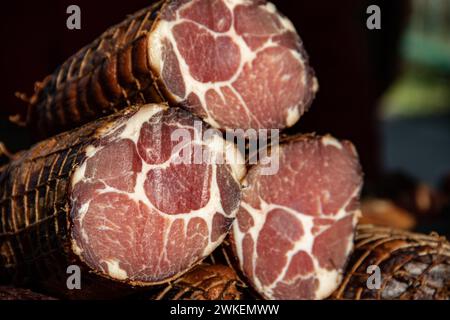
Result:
pixel 382 212
pixel 422 89
pixel 415 121
pixel 415 110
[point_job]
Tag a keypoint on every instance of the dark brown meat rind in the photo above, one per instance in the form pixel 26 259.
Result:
pixel 204 282
pixel 413 266
pixel 11 293
pixel 35 206
pixel 128 65
pixel 109 74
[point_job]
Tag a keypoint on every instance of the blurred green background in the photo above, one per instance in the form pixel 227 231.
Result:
pixel 415 110
pixel 423 88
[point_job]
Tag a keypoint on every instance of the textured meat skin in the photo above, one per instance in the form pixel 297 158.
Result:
pixel 237 64
pixel 11 293
pixel 60 205
pixel 413 266
pixel 308 209
pixel 34 205
pixel 109 74
pixel 137 62
pixel 204 282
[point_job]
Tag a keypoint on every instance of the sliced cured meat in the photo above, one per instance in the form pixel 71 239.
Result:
pixel 294 228
pixel 235 63
pixel 391 264
pixel 242 60
pixel 123 197
pixel 204 282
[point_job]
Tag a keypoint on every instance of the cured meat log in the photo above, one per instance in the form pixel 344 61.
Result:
pixel 412 266
pixel 121 196
pixel 11 293
pixel 294 230
pixel 235 63
pixel 204 282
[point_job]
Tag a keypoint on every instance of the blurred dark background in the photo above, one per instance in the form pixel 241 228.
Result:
pixel 388 90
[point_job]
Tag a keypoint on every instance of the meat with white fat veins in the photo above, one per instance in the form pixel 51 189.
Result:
pixel 117 197
pixel 294 230
pixel 234 63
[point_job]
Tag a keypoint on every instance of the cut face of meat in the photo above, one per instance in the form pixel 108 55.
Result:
pixel 294 230
pixel 240 61
pixel 140 214
pixel 237 64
